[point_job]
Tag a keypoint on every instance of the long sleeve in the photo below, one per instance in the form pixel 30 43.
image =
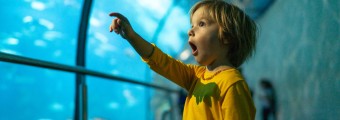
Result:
pixel 174 70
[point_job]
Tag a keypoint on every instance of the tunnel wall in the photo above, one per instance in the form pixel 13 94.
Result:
pixel 298 50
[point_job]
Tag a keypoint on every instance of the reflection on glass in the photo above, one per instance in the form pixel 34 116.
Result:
pixel 112 100
pixel 45 30
pixel 30 93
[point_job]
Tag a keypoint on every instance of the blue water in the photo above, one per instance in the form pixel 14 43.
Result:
pixel 47 30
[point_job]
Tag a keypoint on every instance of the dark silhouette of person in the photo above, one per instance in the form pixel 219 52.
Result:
pixel 268 99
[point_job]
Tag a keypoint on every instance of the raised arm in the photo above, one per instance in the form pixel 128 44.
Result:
pixel 158 61
pixel 122 26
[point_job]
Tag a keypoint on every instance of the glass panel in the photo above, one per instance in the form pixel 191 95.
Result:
pixel 41 29
pixel 30 93
pixel 153 20
pixel 113 100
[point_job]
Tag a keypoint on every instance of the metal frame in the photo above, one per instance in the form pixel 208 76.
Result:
pixel 75 69
pixel 62 67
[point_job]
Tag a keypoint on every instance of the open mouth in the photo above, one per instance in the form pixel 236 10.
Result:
pixel 193 48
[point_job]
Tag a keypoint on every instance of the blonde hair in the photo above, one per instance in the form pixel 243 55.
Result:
pixel 235 26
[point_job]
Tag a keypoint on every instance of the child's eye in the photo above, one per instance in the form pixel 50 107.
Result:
pixel 201 24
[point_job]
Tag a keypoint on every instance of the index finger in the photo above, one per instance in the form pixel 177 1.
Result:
pixel 118 15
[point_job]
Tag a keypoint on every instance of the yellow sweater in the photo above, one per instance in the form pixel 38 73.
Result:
pixel 224 97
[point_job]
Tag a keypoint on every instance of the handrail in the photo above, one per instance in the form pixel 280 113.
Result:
pixel 56 66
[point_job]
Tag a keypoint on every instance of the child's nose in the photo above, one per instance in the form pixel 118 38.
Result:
pixel 191 33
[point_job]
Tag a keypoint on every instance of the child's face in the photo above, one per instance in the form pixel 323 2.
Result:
pixel 203 39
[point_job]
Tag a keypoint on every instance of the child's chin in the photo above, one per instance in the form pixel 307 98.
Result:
pixel 199 61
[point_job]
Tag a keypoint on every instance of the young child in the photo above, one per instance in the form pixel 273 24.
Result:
pixel 222 37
